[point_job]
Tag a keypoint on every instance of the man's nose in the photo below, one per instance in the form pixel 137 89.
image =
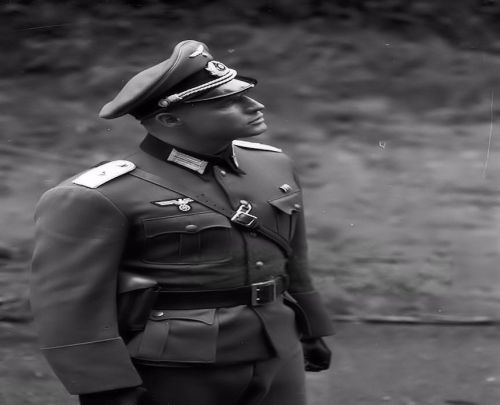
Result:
pixel 254 105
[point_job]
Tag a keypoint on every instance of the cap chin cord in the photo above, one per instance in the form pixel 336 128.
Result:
pixel 175 98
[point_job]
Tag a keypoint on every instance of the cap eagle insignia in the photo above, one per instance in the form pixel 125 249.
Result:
pixel 200 50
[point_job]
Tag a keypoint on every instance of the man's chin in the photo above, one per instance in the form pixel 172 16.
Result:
pixel 256 131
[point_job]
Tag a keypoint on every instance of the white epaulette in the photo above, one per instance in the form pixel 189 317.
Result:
pixel 255 145
pixel 102 174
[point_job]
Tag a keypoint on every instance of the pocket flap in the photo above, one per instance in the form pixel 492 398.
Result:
pixel 289 203
pixel 191 223
pixel 206 316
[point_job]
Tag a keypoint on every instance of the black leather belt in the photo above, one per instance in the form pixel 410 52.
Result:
pixel 254 295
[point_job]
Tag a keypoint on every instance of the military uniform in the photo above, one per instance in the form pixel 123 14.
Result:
pixel 225 257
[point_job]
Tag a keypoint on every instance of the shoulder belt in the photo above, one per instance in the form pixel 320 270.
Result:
pixel 103 173
pixel 203 199
pixel 255 145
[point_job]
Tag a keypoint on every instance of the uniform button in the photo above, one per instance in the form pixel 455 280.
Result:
pixel 297 206
pixel 223 172
pixel 191 228
pixel 159 313
pixel 286 188
pixel 259 264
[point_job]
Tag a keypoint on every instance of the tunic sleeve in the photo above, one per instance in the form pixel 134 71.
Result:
pixel 314 316
pixel 80 236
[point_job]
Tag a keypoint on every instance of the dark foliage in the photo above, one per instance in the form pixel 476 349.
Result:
pixel 465 23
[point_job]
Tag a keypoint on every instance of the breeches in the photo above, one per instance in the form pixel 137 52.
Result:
pixel 276 381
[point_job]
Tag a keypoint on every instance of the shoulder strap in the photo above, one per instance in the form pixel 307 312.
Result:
pixel 202 198
pixel 104 172
pixel 255 145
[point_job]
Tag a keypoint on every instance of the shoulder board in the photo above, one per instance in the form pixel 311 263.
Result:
pixel 255 145
pixel 99 175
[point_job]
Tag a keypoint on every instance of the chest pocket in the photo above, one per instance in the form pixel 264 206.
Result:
pixel 203 237
pixel 287 208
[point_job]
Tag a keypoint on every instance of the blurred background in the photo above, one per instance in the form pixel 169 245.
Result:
pixel 390 109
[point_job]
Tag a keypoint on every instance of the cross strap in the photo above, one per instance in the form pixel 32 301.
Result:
pixel 241 218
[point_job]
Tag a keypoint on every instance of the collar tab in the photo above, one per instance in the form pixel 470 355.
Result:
pixel 183 159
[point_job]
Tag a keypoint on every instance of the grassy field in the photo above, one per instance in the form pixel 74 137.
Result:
pixel 395 140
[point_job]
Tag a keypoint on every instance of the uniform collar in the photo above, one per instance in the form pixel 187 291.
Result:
pixel 196 162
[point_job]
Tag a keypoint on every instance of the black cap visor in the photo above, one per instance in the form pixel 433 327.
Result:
pixel 235 86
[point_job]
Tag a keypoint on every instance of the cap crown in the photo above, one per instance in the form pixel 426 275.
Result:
pixel 189 72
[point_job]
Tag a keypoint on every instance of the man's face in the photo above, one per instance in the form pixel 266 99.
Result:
pixel 227 118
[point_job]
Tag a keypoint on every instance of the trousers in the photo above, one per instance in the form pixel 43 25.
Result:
pixel 275 381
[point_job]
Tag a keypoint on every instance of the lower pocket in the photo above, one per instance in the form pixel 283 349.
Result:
pixel 183 336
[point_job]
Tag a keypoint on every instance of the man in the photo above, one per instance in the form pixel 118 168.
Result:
pixel 179 275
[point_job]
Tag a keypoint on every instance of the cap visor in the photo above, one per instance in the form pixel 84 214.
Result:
pixel 237 85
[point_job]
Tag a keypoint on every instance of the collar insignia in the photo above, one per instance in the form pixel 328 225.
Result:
pixel 182 203
pixel 188 161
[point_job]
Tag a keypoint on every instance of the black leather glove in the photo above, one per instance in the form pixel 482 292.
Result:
pixel 317 355
pixel 124 396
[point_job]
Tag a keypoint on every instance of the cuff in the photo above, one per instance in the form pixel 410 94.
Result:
pixel 313 317
pixel 93 366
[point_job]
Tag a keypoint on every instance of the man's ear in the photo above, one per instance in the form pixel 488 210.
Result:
pixel 168 120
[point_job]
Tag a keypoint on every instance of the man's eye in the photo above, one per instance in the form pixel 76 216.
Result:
pixel 227 103
pixel 232 100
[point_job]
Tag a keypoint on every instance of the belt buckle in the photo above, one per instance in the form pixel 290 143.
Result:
pixel 242 216
pixel 264 292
